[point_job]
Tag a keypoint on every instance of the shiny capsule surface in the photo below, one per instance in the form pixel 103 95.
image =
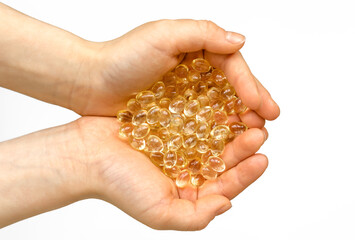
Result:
pixel 124 116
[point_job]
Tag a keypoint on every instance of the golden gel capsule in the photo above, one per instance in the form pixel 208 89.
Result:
pixel 217 104
pixel 163 134
pixel 139 117
pixel 176 124
pixel 189 126
pixel 158 89
pixel 227 92
pixel 220 117
pixel 191 108
pixel 133 105
pixel 138 144
pixel 203 100
pixel 216 146
pixel 157 158
pixel 202 146
pixel 124 116
pixel 164 117
pixel 229 105
pixel 170 159
pixel 239 107
pixel 145 98
pixel 172 172
pixel 200 87
pixel 200 65
pixel 125 130
pixel 177 105
pixel 175 142
pixel 190 94
pixel 203 130
pixel 216 163
pixel 190 153
pixel 193 76
pixel 197 180
pixel 206 156
pixel 189 141
pixel 208 173
pixel 141 131
pixel 213 93
pixel 183 178
pixel 153 115
pixel 204 114
pixel 181 71
pixel 218 77
pixel 164 103
pixel 169 78
pixel 220 132
pixel 194 166
pixel 171 91
pixel 181 160
pixel 237 128
pixel 154 144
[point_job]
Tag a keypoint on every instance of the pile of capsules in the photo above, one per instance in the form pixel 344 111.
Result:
pixel 181 122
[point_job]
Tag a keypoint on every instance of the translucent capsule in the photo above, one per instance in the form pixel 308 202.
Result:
pixel 139 117
pixel 205 77
pixel 138 144
pixel 183 179
pixel 217 146
pixel 164 117
pixel 181 160
pixel 190 94
pixel 145 98
pixel 216 163
pixel 217 104
pixel 176 124
pixel 182 86
pixel 157 158
pixel 206 156
pixel 170 159
pixel 200 65
pixel 197 180
pixel 218 77
pixel 203 130
pixel 208 173
pixel 164 103
pixel 158 89
pixel 189 141
pixel 172 172
pixel 239 107
pixel 163 134
pixel 200 87
pixel 194 166
pixel 124 116
pixel 193 76
pixel 189 127
pixel 177 104
pixel 171 91
pixel 154 144
pixel 204 100
pixel 229 105
pixel 125 130
pixel 220 117
pixel 202 146
pixel 169 78
pixel 181 71
pixel 220 132
pixel 227 92
pixel 191 108
pixel 204 114
pixel 153 115
pixel 237 128
pixel 141 131
pixel 190 153
pixel 175 142
pixel 133 105
pixel 213 93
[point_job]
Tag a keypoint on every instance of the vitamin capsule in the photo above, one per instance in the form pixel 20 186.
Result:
pixel 181 160
pixel 216 146
pixel 217 104
pixel 194 166
pixel 239 107
pixel 169 78
pixel 138 144
pixel 164 103
pixel 205 77
pixel 170 159
pixel 206 156
pixel 183 179
pixel 197 180
pixel 139 117
pixel 176 124
pixel 202 146
pixel 181 71
pixel 229 105
pixel 145 98
pixel 237 128
pixel 204 114
pixel 125 130
pixel 208 173
pixel 177 104
pixel 154 144
pixel 124 116
pixel 216 163
pixel 172 172
pixel 203 100
pixel 227 92
pixel 200 65
pixel 220 117
pixel 133 105
pixel 191 108
pixel 190 94
pixel 158 89
pixel 193 76
pixel 213 93
pixel 164 117
pixel 141 131
pixel 200 87
pixel 163 134
pixel 189 141
pixel 190 153
pixel 171 91
pixel 189 127
pixel 220 132
pixel 203 130
pixel 175 142
pixel 157 158
pixel 218 77
pixel 153 115
pixel 182 86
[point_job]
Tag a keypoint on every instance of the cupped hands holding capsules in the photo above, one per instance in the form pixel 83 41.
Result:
pixel 87 158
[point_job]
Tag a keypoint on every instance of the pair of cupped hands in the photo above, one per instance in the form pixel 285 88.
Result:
pixel 96 163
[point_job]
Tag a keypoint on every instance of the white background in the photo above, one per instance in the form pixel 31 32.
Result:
pixel 302 51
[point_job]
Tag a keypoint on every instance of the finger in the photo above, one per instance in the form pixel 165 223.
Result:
pixel 235 180
pixel 252 119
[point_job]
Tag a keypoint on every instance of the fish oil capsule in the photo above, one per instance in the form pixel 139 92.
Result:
pixel 213 93
pixel 183 179
pixel 158 89
pixel 218 77
pixel 125 130
pixel 182 86
pixel 190 153
pixel 189 127
pixel 171 91
pixel 217 104
pixel 200 65
pixel 220 132
pixel 176 124
pixel 177 104
pixel 197 180
pixel 205 77
pixel 200 87
pixel 169 78
pixel 175 142
pixel 229 105
pixel 216 146
pixel 164 117
pixel 141 131
pixel 239 107
pixel 237 128
pixel 154 144
pixel 138 144
pixel 194 166
pixel 216 163
pixel 133 105
pixel 193 76
pixel 164 103
pixel 191 108
pixel 145 98
pixel 220 117
pixel 203 130
pixel 170 159
pixel 202 146
pixel 157 158
pixel 189 141
pixel 206 156
pixel 181 71
pixel 181 160
pixel 153 115
pixel 204 114
pixel 163 134
pixel 227 92
pixel 139 117
pixel 208 173
pixel 124 116
pixel 190 94
pixel 172 172
pixel 203 100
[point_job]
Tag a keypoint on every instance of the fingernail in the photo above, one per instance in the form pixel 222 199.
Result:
pixel 235 38
pixel 265 136
pixel 223 209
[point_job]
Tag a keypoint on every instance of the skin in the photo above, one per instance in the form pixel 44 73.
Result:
pixel 52 168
